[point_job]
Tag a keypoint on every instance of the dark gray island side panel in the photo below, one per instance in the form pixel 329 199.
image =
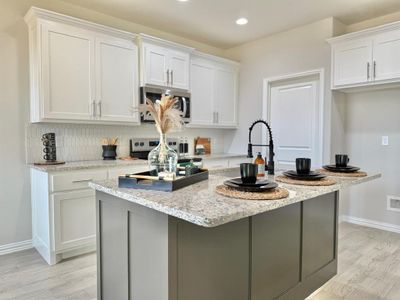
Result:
pixel 286 253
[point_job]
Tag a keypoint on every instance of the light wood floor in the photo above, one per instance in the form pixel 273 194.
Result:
pixel 369 268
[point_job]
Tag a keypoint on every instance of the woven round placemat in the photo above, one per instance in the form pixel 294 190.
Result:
pixel 275 194
pixel 342 174
pixel 322 182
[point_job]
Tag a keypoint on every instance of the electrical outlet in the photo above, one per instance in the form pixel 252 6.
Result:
pixel 393 203
pixel 385 140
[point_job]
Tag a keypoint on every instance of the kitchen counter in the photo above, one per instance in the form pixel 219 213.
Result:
pixel 93 164
pixel 201 205
pixel 195 244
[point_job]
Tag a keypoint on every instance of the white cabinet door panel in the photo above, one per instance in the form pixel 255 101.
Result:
pixel 74 218
pixel 202 90
pixel 387 56
pixel 68 65
pixel 117 94
pixel 353 63
pixel 156 65
pixel 179 67
pixel 225 97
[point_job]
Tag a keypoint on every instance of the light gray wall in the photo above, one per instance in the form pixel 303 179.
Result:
pixel 369 116
pixel 298 50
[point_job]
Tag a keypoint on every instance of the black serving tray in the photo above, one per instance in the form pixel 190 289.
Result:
pixel 161 185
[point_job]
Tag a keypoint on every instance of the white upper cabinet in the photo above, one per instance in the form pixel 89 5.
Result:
pixel 366 58
pixel 353 62
pixel 81 72
pixel 202 90
pixel 387 56
pixel 164 63
pixel 214 92
pixel 68 72
pixel 117 78
pixel 156 65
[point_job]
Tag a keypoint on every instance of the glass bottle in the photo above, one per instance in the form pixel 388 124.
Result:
pixel 162 159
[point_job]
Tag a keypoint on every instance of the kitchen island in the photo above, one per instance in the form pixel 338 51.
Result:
pixel 194 244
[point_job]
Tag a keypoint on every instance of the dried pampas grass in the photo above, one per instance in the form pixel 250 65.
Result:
pixel 165 115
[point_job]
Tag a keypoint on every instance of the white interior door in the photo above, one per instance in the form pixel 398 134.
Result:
pixel 294 117
pixel 117 80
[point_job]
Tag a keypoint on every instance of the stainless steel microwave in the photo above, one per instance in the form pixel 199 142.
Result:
pixel 154 94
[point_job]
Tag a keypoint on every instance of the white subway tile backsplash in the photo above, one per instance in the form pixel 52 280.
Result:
pixel 83 142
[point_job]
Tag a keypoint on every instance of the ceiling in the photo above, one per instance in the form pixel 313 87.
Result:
pixel 213 21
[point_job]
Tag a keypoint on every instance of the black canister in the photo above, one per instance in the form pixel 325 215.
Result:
pixel 109 152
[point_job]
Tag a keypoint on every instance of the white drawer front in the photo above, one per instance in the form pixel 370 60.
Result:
pixel 74 219
pixel 75 180
pixel 115 172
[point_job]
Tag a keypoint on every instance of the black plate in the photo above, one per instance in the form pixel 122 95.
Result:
pixel 304 177
pixel 262 188
pixel 348 169
pixel 311 174
pixel 238 181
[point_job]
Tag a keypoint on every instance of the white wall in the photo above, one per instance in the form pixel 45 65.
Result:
pixel 298 50
pixel 15 220
pixel 369 116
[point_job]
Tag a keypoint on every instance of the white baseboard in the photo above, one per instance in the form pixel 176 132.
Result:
pixel 370 223
pixel 15 247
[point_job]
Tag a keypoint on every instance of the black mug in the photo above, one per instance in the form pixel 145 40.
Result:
pixel 342 160
pixel 248 172
pixel 303 165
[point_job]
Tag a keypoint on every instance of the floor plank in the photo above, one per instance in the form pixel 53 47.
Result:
pixel 369 269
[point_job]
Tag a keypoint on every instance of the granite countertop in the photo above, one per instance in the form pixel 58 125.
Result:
pixel 201 205
pixel 92 164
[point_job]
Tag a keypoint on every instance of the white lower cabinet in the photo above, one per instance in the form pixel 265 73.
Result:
pixel 64 207
pixel 74 219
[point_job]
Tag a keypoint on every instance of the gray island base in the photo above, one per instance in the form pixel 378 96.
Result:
pixel 165 246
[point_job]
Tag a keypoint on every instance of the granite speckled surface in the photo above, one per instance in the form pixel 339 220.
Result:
pixel 93 164
pixel 201 205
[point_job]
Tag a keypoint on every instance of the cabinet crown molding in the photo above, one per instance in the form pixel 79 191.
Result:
pixel 145 38
pixel 217 59
pixel 364 33
pixel 36 13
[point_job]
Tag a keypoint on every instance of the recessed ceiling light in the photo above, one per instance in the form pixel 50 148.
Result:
pixel 242 21
pixel 183 0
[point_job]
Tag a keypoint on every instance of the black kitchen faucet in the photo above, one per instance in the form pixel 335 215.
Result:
pixel 271 154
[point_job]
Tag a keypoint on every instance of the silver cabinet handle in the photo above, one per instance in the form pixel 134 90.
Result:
pixel 168 77
pixel 368 66
pixel 374 69
pixel 93 108
pixel 217 117
pixel 172 77
pixel 83 180
pixel 99 106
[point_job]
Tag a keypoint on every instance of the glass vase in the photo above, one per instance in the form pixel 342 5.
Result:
pixel 163 159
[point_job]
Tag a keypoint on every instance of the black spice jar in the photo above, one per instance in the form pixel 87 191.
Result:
pixel 109 152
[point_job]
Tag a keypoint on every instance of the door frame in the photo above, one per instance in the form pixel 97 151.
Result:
pixel 266 103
